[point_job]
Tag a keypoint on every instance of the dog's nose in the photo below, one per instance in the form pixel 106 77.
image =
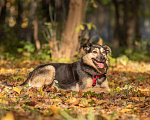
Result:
pixel 102 58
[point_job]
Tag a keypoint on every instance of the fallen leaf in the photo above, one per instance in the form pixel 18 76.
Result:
pixel 54 108
pixel 144 92
pixel 129 106
pixel 2 95
pixel 126 110
pixel 32 103
pixel 18 90
pixel 73 101
pixel 9 116
pixel 101 102
pixel 84 103
pixel 80 93
pixel 13 99
pixel 112 84
pixel 3 101
pixel 47 112
pixel 41 91
pixel 134 98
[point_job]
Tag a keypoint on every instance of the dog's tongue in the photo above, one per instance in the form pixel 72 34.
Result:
pixel 100 65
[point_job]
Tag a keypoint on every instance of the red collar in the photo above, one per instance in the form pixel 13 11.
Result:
pixel 95 77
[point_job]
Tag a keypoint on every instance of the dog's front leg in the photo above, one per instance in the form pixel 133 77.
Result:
pixel 104 87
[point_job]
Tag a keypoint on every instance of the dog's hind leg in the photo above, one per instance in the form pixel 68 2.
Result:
pixel 42 76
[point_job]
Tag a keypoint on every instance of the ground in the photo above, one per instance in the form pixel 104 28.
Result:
pixel 129 97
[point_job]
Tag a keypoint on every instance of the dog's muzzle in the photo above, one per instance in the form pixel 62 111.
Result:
pixel 98 64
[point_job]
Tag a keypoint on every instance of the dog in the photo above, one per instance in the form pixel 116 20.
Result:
pixel 88 74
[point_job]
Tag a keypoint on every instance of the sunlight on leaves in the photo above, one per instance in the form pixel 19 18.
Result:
pixel 2 101
pixel 9 116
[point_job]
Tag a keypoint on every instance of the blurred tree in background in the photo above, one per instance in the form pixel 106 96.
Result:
pixel 56 28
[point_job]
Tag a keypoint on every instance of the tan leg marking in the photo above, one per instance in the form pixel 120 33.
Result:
pixel 51 74
pixel 45 78
pixel 76 87
pixel 105 86
pixel 98 88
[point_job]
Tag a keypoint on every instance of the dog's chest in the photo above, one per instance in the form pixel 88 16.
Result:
pixel 87 81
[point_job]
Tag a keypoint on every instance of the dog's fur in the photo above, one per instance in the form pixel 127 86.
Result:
pixel 75 76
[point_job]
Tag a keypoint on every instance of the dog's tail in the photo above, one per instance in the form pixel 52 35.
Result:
pixel 24 83
pixel 27 80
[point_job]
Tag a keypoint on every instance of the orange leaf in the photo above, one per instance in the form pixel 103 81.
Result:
pixel 101 102
pixel 73 101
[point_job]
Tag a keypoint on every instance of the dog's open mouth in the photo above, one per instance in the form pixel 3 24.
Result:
pixel 98 64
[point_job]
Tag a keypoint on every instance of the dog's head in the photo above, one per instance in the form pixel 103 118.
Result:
pixel 96 57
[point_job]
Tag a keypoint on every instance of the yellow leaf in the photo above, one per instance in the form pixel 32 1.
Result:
pixel 6 89
pixel 89 26
pixel 126 110
pixel 77 29
pixel 81 27
pixel 41 91
pixel 55 109
pixel 9 116
pixel 111 90
pixel 3 101
pixel 18 90
pixel 47 112
pixel 94 27
pixel 1 95
pixel 130 106
pixel 118 89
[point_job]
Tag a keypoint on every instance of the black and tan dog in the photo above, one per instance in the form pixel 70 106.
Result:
pixel 88 74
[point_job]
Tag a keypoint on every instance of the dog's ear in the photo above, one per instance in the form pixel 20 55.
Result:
pixel 108 49
pixel 86 47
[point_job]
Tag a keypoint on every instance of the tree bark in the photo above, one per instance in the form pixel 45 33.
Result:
pixel 121 22
pixel 127 21
pixel 2 11
pixel 35 25
pixel 70 38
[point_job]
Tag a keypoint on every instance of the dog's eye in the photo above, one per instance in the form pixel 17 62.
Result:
pixel 104 52
pixel 94 52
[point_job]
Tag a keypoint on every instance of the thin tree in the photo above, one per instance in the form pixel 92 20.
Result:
pixel 35 25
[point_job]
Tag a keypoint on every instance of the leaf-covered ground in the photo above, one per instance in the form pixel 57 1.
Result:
pixel 129 97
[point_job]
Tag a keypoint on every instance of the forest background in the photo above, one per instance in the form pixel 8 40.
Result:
pixel 54 29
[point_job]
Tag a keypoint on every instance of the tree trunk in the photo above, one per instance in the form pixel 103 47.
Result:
pixel 70 38
pixel 2 11
pixel 35 25
pixel 127 21
pixel 121 22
